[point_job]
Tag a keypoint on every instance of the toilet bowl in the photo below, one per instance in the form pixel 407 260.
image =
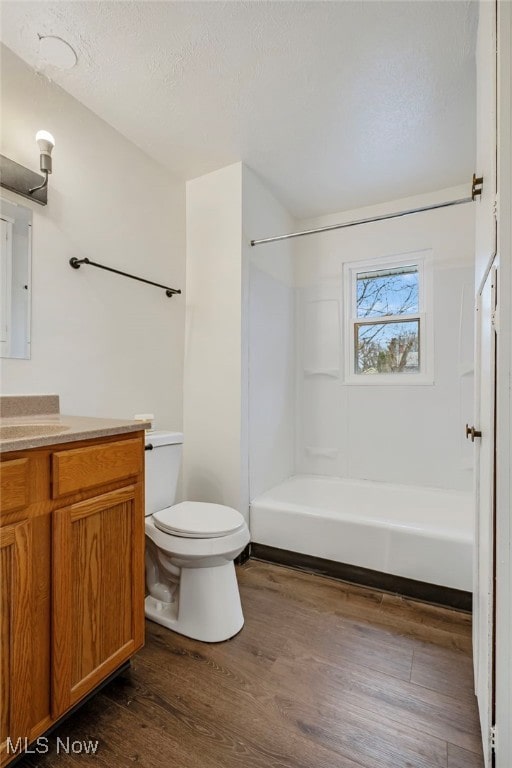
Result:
pixel 190 551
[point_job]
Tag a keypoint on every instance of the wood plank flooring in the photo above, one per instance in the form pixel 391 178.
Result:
pixel 323 675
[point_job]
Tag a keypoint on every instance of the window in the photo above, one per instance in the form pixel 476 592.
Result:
pixel 388 337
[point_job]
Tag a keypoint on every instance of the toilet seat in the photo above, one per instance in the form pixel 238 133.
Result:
pixel 198 520
pixel 197 550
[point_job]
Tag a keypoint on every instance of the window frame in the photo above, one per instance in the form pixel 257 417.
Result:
pixel 423 261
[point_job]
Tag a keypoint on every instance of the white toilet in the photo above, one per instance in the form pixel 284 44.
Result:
pixel 190 549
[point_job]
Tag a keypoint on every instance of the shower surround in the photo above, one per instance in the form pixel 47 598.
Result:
pixel 376 476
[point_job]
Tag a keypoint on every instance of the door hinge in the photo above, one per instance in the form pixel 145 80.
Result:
pixel 493 738
pixel 494 320
pixel 494 300
pixel 477 185
pixel 471 432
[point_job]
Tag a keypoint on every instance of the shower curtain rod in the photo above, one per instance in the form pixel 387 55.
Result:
pixel 476 189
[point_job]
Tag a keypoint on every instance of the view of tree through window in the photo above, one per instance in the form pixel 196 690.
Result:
pixel 387 345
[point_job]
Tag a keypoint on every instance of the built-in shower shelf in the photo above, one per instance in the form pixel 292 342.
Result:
pixel 322 453
pixel 466 369
pixel 334 373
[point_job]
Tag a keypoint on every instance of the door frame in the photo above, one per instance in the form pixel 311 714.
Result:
pixel 503 651
pixel 484 626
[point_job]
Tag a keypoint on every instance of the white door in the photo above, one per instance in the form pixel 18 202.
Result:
pixel 483 602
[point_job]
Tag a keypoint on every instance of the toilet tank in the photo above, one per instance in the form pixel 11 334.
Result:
pixel 163 461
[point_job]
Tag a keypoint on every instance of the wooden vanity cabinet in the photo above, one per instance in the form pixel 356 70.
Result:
pixel 16 599
pixel 71 576
pixel 25 585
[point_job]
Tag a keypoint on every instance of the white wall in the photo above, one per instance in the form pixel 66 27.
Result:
pixel 239 348
pixel 402 434
pixel 214 456
pixel 271 335
pixel 108 345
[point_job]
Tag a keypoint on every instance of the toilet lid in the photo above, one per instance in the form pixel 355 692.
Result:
pixel 198 520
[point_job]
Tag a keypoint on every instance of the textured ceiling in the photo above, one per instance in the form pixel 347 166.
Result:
pixel 335 104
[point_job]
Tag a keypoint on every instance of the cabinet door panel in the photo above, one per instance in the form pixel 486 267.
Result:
pixel 15 634
pixel 98 590
pixel 14 484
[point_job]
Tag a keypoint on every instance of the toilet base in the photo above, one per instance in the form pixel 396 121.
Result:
pixel 207 606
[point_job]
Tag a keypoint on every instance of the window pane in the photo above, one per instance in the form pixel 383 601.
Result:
pixel 387 347
pixel 387 292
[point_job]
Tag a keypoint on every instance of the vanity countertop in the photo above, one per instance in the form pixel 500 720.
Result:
pixel 34 431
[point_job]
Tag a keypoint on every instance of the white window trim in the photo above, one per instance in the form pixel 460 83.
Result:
pixel 425 376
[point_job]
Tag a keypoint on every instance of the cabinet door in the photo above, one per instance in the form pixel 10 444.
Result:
pixel 98 591
pixel 15 636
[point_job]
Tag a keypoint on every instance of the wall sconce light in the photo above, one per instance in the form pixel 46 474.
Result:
pixel 46 143
pixel 22 180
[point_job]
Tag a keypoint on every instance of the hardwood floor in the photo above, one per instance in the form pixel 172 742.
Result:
pixel 323 675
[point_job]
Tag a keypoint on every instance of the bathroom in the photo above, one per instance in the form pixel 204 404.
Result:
pixel 359 496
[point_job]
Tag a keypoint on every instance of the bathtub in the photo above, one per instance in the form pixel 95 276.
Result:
pixel 424 534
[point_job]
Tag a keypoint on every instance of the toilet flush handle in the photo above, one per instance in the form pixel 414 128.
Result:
pixel 149 447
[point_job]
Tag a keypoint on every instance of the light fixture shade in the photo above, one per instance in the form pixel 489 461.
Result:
pixel 45 142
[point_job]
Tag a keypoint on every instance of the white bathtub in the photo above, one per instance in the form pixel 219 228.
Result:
pixel 417 533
